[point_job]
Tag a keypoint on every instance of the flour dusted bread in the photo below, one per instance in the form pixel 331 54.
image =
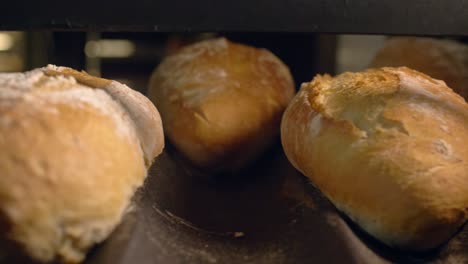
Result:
pixel 221 102
pixel 445 60
pixel 388 147
pixel 74 148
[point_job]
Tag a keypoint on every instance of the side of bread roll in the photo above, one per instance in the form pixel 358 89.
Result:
pixel 387 147
pixel 221 102
pixel 74 150
pixel 445 60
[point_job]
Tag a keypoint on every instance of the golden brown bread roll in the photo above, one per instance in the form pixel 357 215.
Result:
pixel 221 102
pixel 441 59
pixel 387 147
pixel 73 150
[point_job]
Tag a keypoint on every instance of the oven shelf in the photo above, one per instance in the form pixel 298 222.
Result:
pixel 416 17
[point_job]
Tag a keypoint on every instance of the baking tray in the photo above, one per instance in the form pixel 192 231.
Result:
pixel 268 213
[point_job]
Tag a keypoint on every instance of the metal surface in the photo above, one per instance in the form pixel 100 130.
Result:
pixel 428 17
pixel 269 214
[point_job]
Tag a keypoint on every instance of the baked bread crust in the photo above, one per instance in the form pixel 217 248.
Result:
pixel 221 102
pixel 386 146
pixel 72 156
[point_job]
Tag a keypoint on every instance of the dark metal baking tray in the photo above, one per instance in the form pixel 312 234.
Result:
pixel 269 213
pixel 421 17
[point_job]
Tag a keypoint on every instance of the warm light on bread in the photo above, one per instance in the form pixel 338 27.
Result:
pixel 387 147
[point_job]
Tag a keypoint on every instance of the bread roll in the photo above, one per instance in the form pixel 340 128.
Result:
pixel 221 102
pixel 73 150
pixel 387 147
pixel 441 59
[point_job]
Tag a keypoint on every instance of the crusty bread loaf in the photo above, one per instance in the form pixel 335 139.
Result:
pixel 73 150
pixel 445 60
pixel 387 147
pixel 221 102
